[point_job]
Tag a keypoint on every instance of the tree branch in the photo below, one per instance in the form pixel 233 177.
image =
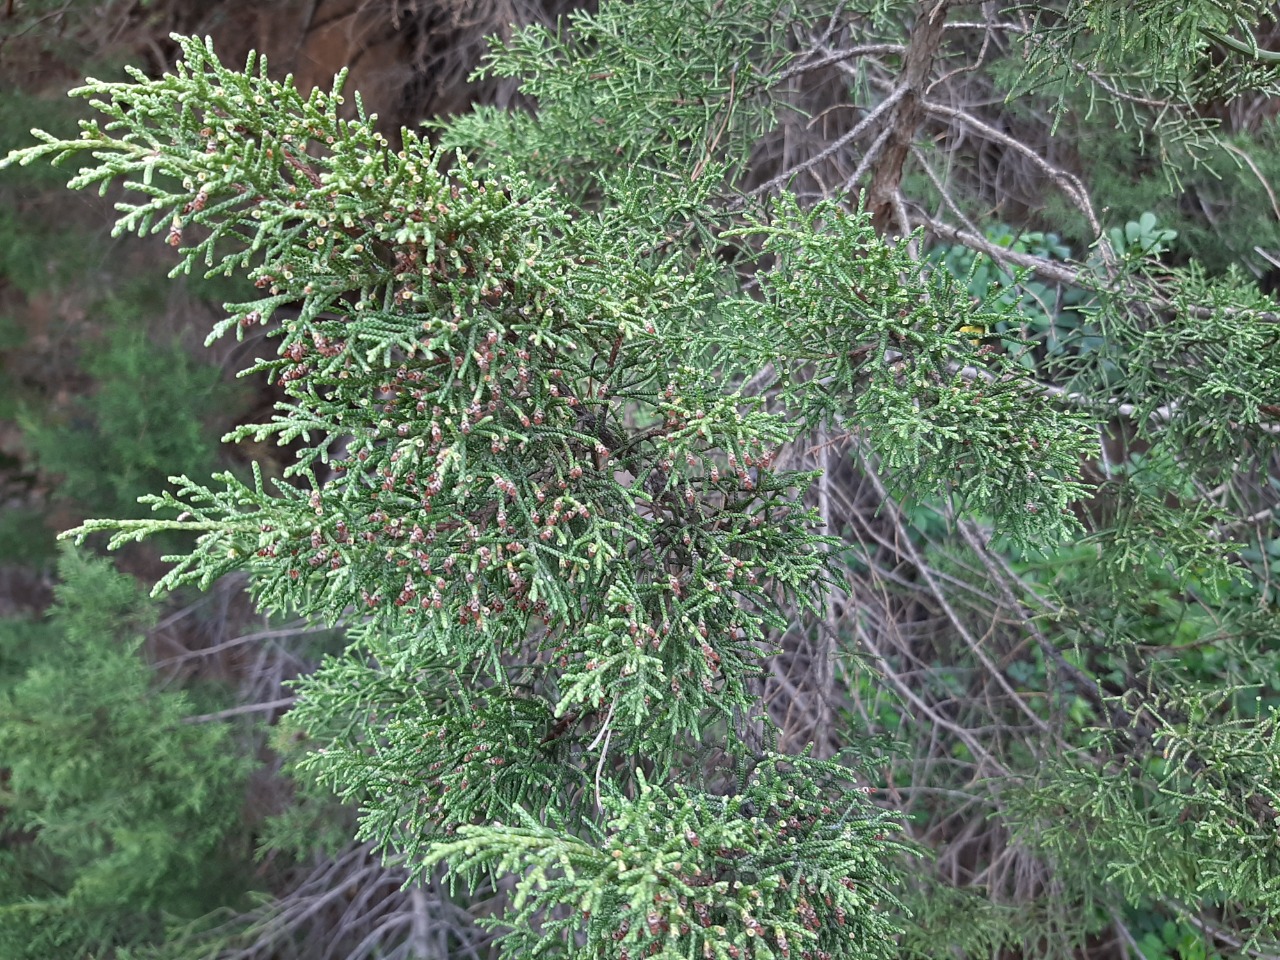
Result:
pixel 922 47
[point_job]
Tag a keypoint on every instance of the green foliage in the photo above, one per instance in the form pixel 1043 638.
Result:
pixel 27 253
pixel 1199 375
pixel 1192 823
pixel 1137 54
pixel 490 508
pixel 1163 32
pixel 537 355
pixel 116 811
pixel 898 330
pixel 1174 940
pixel 529 479
pixel 1037 320
pixel 1141 237
pixel 443 756
pixel 783 863
pixel 678 86
pixel 1223 209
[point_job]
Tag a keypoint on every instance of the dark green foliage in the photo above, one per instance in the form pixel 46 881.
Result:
pixel 116 811
pixel 28 253
pixel 25 538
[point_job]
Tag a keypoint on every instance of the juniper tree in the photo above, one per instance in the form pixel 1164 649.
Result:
pixel 463 360
pixel 550 377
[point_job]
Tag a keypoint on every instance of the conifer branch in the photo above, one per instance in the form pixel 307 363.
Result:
pixel 549 396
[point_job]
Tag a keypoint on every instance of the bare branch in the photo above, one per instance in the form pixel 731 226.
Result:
pixel 839 56
pixel 1049 269
pixel 922 47
pixel 242 709
pixel 1068 183
pixel 880 110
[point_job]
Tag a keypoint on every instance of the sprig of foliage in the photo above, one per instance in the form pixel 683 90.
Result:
pixel 465 379
pixel 783 866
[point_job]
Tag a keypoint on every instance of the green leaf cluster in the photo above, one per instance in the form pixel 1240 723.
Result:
pixel 116 811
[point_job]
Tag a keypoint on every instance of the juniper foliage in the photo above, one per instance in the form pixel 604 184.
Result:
pixel 537 475
pixel 466 369
pixel 1171 56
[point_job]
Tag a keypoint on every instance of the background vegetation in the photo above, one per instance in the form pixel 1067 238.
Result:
pixel 1072 714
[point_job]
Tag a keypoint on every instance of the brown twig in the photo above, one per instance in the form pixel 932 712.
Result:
pixel 922 47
